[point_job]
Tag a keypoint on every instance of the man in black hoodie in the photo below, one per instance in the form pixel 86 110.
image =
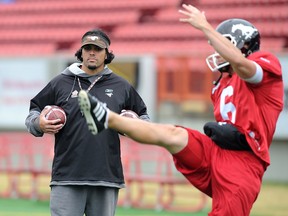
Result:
pixel 87 171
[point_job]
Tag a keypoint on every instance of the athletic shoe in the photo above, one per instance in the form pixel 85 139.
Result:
pixel 95 112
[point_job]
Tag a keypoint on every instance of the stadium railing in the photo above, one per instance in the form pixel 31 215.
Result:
pixel 25 168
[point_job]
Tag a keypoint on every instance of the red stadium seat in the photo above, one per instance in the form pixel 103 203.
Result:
pixel 251 13
pixel 42 35
pixel 243 2
pixel 68 19
pixel 155 31
pixel 129 22
pixel 27 49
pixel 274 45
pixel 84 5
pixel 275 29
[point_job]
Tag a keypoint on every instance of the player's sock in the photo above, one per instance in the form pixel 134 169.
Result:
pixel 95 112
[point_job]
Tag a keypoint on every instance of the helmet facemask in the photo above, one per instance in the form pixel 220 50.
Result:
pixel 216 63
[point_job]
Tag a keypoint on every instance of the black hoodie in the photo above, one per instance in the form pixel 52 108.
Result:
pixel 80 157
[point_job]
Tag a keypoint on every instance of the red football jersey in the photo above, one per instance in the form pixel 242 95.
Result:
pixel 252 108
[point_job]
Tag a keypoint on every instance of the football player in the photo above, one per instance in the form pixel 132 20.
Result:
pixel 228 161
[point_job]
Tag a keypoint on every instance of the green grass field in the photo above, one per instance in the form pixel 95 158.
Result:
pixel 10 207
pixel 272 201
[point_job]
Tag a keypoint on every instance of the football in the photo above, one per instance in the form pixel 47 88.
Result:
pixel 56 112
pixel 129 114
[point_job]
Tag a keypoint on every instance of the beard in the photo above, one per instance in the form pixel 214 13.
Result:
pixel 92 67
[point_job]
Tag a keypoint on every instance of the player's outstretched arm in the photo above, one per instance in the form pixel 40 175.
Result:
pixel 241 65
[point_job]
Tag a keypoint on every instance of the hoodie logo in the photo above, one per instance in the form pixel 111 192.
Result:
pixel 109 92
pixel 74 94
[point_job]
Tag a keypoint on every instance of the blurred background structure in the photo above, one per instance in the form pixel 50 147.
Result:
pixel 163 58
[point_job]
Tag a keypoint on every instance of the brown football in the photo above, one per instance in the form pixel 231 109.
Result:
pixel 56 112
pixel 129 113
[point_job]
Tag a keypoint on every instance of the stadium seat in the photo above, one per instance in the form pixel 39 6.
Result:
pixel 27 49
pixel 274 45
pixel 275 29
pixel 129 23
pixel 47 6
pixel 243 2
pixel 158 31
pixel 42 34
pixel 251 13
pixel 68 19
